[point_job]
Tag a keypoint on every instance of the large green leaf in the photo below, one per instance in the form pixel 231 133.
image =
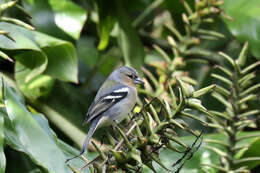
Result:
pixel 58 18
pixel 66 115
pixel 55 57
pixel 13 141
pixel 24 41
pixel 37 53
pixel 11 137
pixel 62 62
pixel 128 40
pixel 106 22
pixel 68 151
pixel 2 155
pixel 22 162
pixel 71 152
pixel 253 151
pixel 62 58
pixel 35 142
pixel 246 23
pixel 39 86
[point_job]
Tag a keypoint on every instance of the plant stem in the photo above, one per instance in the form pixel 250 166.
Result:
pixel 236 108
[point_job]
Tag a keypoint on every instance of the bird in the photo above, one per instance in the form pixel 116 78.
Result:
pixel 113 101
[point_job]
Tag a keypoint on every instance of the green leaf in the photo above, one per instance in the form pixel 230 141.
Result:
pixel 62 62
pixel 34 60
pixel 60 112
pixel 71 152
pixel 23 38
pixel 58 18
pixel 23 41
pixel 2 154
pixel 246 23
pixel 128 40
pixel 36 143
pixel 105 27
pixel 106 22
pixel 39 86
pixel 55 57
pixel 252 151
pixel 13 140
pixel 62 58
pixel 68 151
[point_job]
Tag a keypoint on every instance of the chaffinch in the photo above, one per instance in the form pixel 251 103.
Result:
pixel 114 100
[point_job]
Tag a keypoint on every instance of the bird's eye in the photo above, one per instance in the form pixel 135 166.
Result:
pixel 131 76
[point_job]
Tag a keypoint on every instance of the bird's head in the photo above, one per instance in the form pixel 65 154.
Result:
pixel 126 75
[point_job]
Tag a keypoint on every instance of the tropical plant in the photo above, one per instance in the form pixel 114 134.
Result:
pixel 197 112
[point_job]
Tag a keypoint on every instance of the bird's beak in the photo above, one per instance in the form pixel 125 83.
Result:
pixel 138 81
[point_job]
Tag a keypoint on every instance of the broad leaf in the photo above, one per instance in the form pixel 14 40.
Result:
pixel 39 86
pixel 24 41
pixel 106 22
pixel 246 22
pixel 2 154
pixel 55 57
pixel 253 151
pixel 37 53
pixel 62 58
pixel 35 142
pixel 68 151
pixel 13 141
pixel 58 18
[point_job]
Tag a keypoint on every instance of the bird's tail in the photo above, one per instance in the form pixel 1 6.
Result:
pixel 93 126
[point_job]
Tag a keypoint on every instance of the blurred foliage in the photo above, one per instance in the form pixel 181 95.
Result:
pixel 236 90
pixel 55 54
pixel 245 23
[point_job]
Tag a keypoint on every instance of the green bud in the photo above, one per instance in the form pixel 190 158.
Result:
pixel 7 5
pixel 247 98
pixel 228 58
pixel 203 91
pixel 208 20
pixel 136 155
pixel 119 156
pixel 5 56
pixel 196 104
pixel 162 52
pixel 186 88
pixel 171 41
pixel 223 79
pixel 154 139
pixel 242 56
pixel 185 18
pixel 249 68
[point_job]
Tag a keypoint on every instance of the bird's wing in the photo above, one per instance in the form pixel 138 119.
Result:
pixel 106 102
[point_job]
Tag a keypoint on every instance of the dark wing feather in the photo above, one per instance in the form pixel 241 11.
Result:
pixel 103 104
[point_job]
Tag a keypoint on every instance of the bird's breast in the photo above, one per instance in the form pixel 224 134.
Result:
pixel 119 111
